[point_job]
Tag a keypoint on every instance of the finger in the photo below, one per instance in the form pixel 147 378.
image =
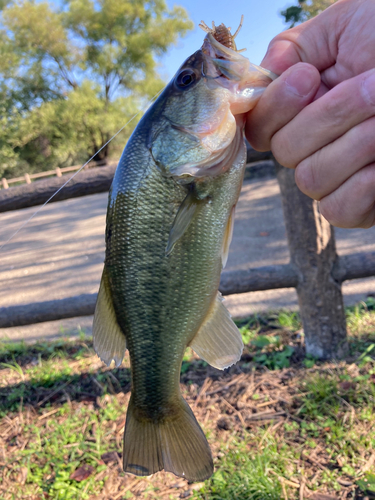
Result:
pixel 323 89
pixel 323 121
pixel 314 42
pixel 353 203
pixel 353 56
pixel 328 168
pixel 281 101
pixel 282 53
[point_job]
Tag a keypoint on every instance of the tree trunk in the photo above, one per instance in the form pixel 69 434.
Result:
pixel 312 248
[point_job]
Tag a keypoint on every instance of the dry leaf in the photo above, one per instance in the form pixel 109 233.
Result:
pixel 346 385
pixel 111 456
pixel 22 475
pixel 82 473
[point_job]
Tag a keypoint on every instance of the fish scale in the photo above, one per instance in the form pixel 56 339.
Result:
pixel 149 287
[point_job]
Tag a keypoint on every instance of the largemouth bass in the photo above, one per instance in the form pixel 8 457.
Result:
pixel 169 225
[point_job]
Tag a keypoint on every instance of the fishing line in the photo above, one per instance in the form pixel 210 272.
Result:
pixel 79 170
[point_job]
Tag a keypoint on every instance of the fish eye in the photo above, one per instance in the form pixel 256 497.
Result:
pixel 186 78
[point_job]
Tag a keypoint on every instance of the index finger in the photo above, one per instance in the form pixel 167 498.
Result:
pixel 282 100
pixel 314 42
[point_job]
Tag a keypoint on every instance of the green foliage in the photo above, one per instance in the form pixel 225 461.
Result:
pixel 289 320
pixel 275 360
pixel 293 15
pixel 65 443
pixel 243 475
pixel 309 361
pixel 304 11
pixel 71 76
pixel 270 350
pixel 15 367
pixel 247 334
pixel 22 353
pixel 367 484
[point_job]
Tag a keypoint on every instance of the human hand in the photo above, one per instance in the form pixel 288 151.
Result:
pixel 319 115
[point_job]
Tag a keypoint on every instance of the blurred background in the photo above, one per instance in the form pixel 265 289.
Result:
pixel 73 72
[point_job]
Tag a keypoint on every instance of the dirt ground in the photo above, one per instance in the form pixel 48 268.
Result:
pixel 60 253
pixel 276 429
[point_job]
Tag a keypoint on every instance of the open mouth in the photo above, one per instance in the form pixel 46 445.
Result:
pixel 221 61
pixel 230 67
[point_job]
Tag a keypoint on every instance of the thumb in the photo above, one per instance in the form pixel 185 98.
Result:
pixel 314 42
pixel 282 100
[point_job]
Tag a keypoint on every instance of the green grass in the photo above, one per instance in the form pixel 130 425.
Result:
pixel 335 414
pixel 51 458
pixel 244 474
pixel 61 410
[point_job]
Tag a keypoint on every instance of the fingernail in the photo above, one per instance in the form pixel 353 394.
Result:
pixel 299 82
pixel 368 87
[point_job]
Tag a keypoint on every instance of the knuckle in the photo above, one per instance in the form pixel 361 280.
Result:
pixel 283 150
pixel 368 221
pixel 305 178
pixel 335 111
pixel 365 138
pixel 353 204
pixel 331 209
pixel 308 177
pixel 367 90
pixel 257 138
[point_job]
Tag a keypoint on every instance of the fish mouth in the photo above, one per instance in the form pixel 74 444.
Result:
pixel 220 60
pixel 232 70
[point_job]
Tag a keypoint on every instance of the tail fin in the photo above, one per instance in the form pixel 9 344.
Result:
pixel 175 443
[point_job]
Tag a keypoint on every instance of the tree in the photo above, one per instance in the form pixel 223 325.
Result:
pixel 305 10
pixel 312 246
pixel 72 76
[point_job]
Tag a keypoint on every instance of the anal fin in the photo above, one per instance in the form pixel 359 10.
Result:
pixel 109 339
pixel 218 340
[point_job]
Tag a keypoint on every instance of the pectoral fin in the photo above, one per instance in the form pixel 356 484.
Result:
pixel 182 221
pixel 109 339
pixel 218 340
pixel 227 237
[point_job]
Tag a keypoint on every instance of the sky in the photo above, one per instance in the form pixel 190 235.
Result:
pixel 262 21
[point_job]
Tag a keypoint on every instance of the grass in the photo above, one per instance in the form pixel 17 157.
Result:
pixel 280 425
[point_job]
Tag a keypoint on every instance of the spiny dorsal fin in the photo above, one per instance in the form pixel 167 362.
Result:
pixel 218 340
pixel 109 340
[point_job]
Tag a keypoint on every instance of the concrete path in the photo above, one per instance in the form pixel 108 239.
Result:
pixel 60 253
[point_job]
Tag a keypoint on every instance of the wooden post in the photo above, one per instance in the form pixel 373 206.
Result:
pixel 4 182
pixel 27 179
pixel 58 172
pixel 312 248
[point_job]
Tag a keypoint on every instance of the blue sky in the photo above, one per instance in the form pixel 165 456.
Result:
pixel 262 22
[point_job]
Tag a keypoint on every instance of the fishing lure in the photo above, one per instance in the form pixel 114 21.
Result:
pixel 222 34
